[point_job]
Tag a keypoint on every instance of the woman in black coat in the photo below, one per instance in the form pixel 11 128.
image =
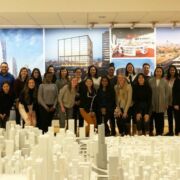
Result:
pixel 176 104
pixel 106 103
pixel 6 103
pixel 142 97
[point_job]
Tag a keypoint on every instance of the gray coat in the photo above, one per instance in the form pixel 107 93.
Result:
pixel 160 95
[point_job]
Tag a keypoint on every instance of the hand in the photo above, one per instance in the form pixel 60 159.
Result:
pixel 63 109
pixel 52 109
pixel 117 112
pixel 146 117
pixel 103 111
pixel 124 115
pixel 176 107
pixel 1 116
pixel 138 116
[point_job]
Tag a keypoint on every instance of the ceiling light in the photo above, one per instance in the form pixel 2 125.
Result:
pixel 133 25
pixel 174 24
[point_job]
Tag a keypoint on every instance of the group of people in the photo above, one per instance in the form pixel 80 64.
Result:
pixel 125 99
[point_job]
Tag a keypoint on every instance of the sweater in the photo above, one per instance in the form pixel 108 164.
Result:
pixel 47 95
pixel 67 96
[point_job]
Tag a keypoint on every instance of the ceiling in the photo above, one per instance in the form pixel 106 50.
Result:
pixel 82 13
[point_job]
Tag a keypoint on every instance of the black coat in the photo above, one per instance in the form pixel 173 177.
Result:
pixel 6 103
pixel 176 92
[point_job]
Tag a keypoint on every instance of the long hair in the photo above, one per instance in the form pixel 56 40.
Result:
pixel 39 79
pixel 168 72
pixel 92 87
pixel 126 71
pixel 108 86
pixel 62 69
pixel 26 91
pixel 159 67
pixel 19 76
pixel 89 69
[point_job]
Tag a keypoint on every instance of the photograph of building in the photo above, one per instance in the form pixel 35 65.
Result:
pixel 168 47
pixel 75 51
pixel 77 48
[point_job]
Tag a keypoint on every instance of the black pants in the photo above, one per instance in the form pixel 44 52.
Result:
pixel 177 121
pixel 103 119
pixel 18 116
pixel 170 112
pixel 159 122
pixel 112 123
pixel 76 116
pixel 45 118
pixel 3 122
pixel 142 125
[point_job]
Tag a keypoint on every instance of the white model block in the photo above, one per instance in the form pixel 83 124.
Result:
pixel 82 132
pixel 9 147
pixel 91 131
pixel 113 165
pixel 71 125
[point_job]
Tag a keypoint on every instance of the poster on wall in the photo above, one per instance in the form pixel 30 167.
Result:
pixel 22 48
pixel 136 46
pixel 168 47
pixel 126 42
pixel 77 48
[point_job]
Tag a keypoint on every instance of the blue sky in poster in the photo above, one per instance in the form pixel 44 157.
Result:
pixel 167 34
pixel 136 62
pixel 25 45
pixel 52 36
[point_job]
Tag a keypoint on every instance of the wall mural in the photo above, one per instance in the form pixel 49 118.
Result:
pixel 82 47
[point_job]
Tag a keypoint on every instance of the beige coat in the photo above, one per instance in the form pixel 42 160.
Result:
pixel 160 95
pixel 123 96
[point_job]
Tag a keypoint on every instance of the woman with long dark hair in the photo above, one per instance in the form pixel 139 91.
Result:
pixel 93 74
pixel 106 103
pixel 18 87
pixel 28 103
pixel 6 103
pixel 76 112
pixel 36 75
pixel 172 74
pixel 142 97
pixel 63 78
pixel 130 73
pixel 51 69
pixel 160 94
pixel 47 98
pixel 88 103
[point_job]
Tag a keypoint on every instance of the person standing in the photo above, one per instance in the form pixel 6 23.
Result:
pixel 47 98
pixel 160 94
pixel 18 87
pixel 176 104
pixel 66 100
pixel 6 76
pixel 172 75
